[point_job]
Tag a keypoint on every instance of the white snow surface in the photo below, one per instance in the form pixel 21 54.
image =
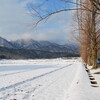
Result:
pixel 46 79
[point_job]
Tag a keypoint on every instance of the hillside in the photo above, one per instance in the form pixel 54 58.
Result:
pixel 25 49
pixel 9 53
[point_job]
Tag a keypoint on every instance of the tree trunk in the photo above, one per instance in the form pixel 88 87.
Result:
pixel 94 47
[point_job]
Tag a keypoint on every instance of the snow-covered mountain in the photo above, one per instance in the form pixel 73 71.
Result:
pixel 5 43
pixel 26 44
pixel 31 49
pixel 36 45
pixel 40 45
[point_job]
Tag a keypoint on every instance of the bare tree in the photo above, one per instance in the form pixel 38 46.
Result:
pixel 89 30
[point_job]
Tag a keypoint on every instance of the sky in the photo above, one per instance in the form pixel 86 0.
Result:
pixel 16 21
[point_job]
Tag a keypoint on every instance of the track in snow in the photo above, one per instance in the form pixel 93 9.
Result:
pixel 36 77
pixel 56 79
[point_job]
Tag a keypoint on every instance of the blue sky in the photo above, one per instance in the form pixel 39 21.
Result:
pixel 16 21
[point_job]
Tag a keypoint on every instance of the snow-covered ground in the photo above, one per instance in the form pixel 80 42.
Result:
pixel 46 79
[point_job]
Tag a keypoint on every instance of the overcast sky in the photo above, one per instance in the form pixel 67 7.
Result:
pixel 16 23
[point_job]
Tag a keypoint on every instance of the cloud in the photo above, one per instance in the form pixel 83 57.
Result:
pixel 13 17
pixel 14 22
pixel 57 28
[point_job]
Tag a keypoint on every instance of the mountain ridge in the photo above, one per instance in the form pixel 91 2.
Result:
pixel 37 45
pixel 31 49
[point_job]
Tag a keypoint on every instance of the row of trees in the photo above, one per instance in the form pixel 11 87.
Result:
pixel 89 28
pixel 88 19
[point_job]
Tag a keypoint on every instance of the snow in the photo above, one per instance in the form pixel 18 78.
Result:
pixel 81 88
pixel 46 79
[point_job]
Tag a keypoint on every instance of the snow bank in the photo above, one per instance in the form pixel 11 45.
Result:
pixel 81 88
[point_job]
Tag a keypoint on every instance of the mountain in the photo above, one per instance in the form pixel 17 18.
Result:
pixel 42 45
pixel 26 44
pixel 8 53
pixel 37 45
pixel 30 48
pixel 5 43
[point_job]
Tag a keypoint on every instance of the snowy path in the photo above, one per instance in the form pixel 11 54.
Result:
pixel 40 81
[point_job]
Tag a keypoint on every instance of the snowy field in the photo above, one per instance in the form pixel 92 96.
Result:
pixel 53 79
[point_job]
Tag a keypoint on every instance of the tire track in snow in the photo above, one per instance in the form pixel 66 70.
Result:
pixel 28 80
pixel 29 92
pixel 47 85
pixel 2 75
pixel 13 73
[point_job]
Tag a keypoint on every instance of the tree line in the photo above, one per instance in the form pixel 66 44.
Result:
pixel 89 30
